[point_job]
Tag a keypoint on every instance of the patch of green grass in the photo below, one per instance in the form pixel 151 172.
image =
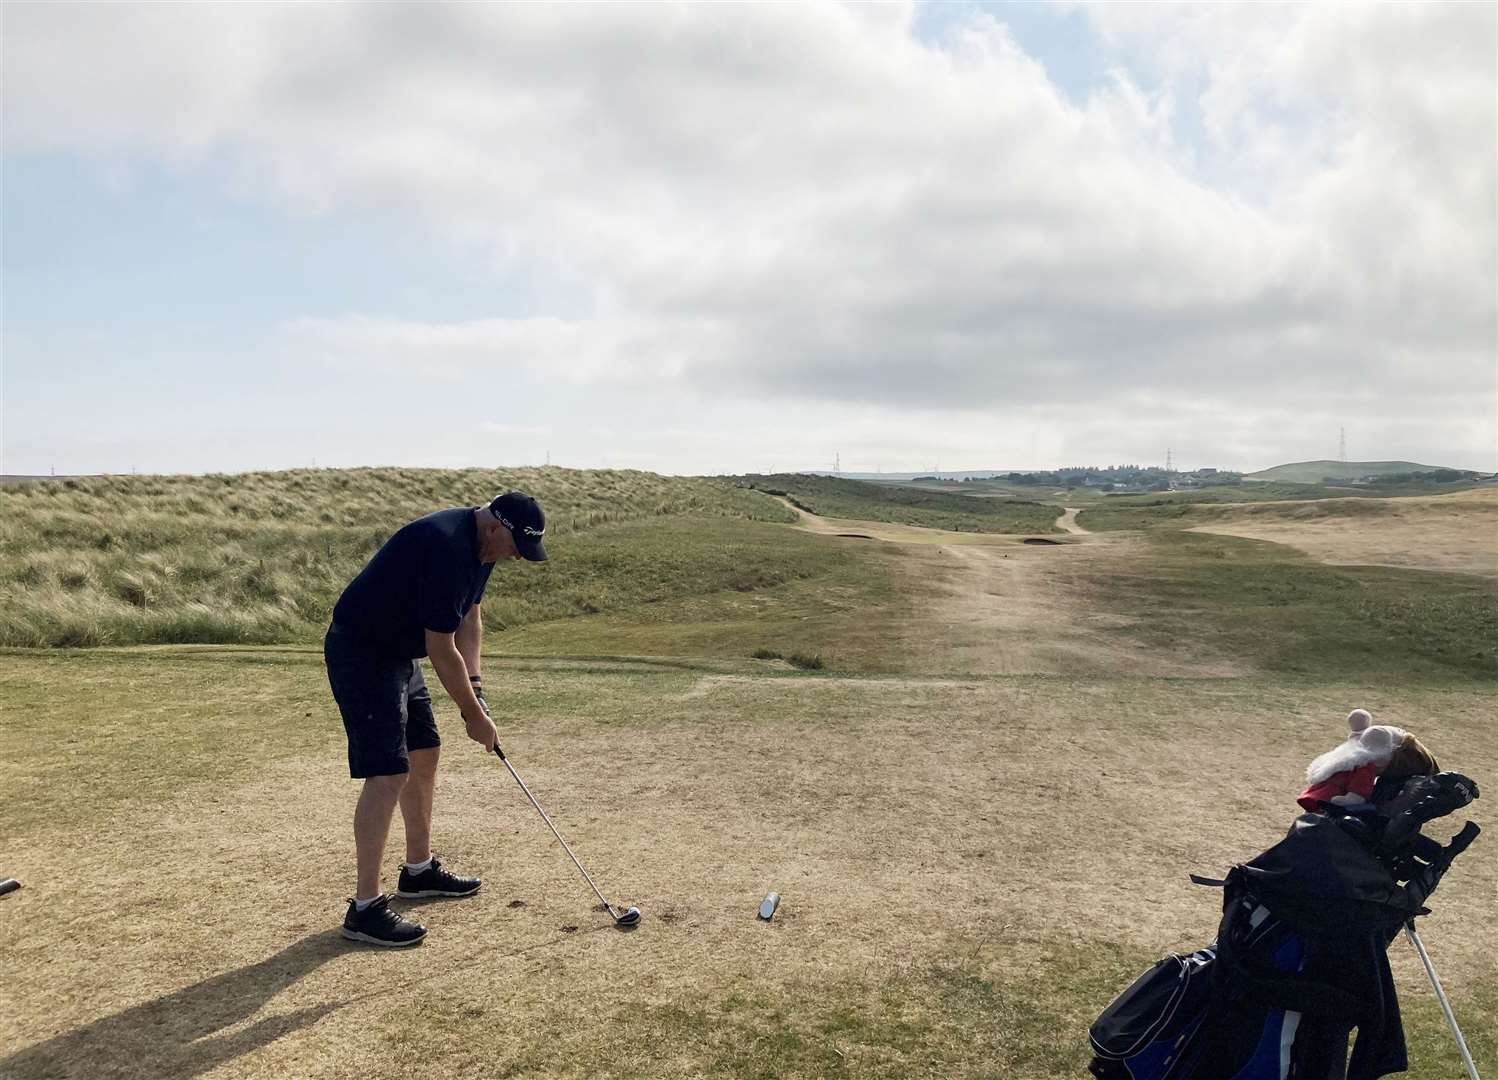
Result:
pixel 832 496
pixel 638 564
pixel 1284 612
pixel 1432 1050
pixel 840 608
pixel 1048 495
pixel 86 731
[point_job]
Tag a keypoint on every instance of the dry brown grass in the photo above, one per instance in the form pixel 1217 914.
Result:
pixel 911 825
pixel 1457 533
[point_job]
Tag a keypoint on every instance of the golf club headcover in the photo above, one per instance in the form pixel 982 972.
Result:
pixel 1422 799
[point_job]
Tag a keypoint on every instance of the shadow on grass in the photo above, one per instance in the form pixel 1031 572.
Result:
pixel 184 1033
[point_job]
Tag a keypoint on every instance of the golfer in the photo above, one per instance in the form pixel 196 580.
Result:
pixel 419 596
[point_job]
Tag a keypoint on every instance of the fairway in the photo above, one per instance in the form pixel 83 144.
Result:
pixel 980 817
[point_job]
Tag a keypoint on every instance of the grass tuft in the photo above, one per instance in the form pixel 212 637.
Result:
pixel 805 662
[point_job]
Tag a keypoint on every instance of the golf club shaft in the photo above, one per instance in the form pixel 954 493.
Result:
pixel 1461 1044
pixel 554 832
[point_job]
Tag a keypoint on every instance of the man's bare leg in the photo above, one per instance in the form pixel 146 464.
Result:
pixel 416 803
pixel 372 816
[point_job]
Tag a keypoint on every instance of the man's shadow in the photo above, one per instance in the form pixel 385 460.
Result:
pixel 180 1034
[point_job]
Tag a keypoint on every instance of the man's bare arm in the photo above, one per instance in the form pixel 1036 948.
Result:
pixel 451 669
pixel 469 638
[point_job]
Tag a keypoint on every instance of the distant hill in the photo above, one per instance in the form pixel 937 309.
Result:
pixel 1313 472
pixel 906 477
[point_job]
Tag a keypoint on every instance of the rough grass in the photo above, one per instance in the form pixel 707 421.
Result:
pixel 831 496
pixel 1047 495
pixel 1182 509
pixel 835 616
pixel 261 558
pixel 1281 611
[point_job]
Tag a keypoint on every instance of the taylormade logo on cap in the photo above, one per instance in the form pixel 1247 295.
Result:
pixel 522 515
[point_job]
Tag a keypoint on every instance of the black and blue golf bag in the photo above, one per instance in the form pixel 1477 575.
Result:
pixel 1300 959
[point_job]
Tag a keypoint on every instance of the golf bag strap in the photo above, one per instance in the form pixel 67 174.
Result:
pixel 1210 882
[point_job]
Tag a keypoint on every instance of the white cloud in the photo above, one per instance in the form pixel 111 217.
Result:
pixel 805 201
pixel 514 429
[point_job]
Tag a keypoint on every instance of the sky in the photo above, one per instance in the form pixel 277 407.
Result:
pixel 726 238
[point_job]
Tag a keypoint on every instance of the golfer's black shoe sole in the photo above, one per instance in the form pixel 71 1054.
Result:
pixel 384 943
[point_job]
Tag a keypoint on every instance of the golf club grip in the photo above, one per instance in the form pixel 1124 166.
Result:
pixel 1460 842
pixel 498 750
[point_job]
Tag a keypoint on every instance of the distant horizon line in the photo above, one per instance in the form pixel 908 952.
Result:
pixel 12 478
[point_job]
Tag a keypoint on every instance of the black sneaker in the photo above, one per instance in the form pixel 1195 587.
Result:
pixel 435 881
pixel 378 925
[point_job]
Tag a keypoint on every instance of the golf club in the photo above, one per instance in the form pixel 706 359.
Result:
pixel 622 919
pixel 1461 1044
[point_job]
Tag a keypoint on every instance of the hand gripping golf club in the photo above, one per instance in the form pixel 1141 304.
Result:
pixel 1461 1044
pixel 622 919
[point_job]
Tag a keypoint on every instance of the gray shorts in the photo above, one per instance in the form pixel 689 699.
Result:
pixel 386 707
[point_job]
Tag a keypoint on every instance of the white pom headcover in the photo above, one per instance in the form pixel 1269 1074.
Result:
pixel 1358 719
pixel 1371 746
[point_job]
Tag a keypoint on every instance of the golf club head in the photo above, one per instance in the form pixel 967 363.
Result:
pixel 626 919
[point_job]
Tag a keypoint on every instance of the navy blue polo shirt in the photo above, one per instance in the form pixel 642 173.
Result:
pixel 425 577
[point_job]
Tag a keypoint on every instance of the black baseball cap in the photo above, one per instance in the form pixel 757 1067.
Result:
pixel 522 515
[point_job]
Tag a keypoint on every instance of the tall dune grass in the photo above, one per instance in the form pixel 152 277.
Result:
pixel 261 557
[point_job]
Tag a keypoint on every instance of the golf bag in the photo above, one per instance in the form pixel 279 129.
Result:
pixel 1300 958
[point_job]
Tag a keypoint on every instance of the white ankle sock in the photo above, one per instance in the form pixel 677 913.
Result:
pixel 360 905
pixel 418 867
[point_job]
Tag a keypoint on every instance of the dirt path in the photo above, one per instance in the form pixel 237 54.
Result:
pixel 1010 609
pixel 1068 522
pixel 993 604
